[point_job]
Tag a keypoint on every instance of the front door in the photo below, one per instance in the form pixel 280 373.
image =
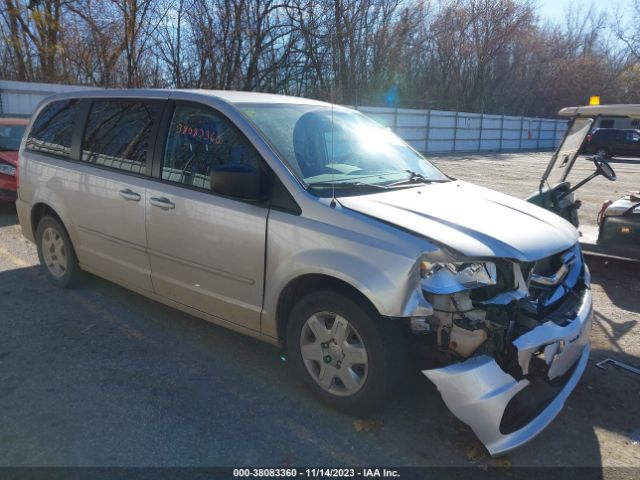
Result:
pixel 619 144
pixel 206 251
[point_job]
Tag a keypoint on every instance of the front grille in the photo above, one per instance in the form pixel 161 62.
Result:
pixel 545 292
pixel 550 280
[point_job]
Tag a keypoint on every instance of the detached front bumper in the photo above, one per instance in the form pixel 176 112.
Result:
pixel 487 399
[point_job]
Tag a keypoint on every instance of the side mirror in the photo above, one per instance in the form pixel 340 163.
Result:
pixel 604 168
pixel 239 181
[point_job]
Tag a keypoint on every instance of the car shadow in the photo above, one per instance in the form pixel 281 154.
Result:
pixel 571 440
pixel 99 375
pixel 618 279
pixel 613 330
pixel 110 377
pixel 8 215
pixel 632 161
pixel 602 408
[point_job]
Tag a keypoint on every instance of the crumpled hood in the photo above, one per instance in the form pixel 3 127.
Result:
pixel 471 220
pixel 10 157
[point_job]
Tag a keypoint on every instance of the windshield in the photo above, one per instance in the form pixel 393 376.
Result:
pixel 340 149
pixel 563 159
pixel 10 136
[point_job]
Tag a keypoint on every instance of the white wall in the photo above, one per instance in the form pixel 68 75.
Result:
pixel 438 131
pixel 618 122
pixel 22 98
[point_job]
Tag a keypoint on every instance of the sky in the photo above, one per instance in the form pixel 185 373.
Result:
pixel 555 10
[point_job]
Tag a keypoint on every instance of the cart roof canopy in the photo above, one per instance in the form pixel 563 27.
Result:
pixel 622 110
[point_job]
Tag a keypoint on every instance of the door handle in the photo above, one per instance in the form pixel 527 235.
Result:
pixel 128 194
pixel 162 202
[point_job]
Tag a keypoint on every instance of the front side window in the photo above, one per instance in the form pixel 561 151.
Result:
pixel 53 129
pixel 201 141
pixel 631 137
pixel 118 134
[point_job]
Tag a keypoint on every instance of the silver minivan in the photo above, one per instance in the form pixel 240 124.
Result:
pixel 312 227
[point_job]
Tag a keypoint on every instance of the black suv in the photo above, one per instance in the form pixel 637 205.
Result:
pixel 608 142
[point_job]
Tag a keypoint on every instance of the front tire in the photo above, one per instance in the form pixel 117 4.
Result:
pixel 345 352
pixel 55 251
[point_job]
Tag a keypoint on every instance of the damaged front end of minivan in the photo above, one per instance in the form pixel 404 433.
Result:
pixel 515 339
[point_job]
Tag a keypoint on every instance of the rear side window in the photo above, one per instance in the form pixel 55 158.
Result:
pixel 118 134
pixel 199 141
pixel 605 135
pixel 619 136
pixel 52 131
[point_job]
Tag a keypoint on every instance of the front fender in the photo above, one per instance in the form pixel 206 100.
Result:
pixel 386 274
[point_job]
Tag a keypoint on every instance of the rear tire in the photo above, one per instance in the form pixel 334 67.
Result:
pixel 55 251
pixel 346 353
pixel 602 152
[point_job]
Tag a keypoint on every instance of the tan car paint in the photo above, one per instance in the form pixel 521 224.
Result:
pixel 219 266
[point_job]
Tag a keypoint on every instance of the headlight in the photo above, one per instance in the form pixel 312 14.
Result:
pixel 446 278
pixel 7 169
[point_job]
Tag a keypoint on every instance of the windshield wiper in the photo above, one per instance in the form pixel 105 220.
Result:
pixel 343 184
pixel 414 178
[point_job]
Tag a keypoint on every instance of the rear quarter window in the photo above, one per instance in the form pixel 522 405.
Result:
pixel 53 128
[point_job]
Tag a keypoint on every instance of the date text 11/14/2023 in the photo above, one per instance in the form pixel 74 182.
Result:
pixel 316 472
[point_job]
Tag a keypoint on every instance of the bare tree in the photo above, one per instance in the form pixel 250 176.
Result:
pixel 478 55
pixel 35 25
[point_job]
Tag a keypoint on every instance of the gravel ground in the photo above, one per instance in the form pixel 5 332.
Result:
pixel 100 376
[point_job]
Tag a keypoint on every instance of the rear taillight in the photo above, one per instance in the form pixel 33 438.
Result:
pixel 589 138
pixel 603 209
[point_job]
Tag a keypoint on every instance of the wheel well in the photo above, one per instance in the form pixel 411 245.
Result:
pixel 38 212
pixel 300 286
